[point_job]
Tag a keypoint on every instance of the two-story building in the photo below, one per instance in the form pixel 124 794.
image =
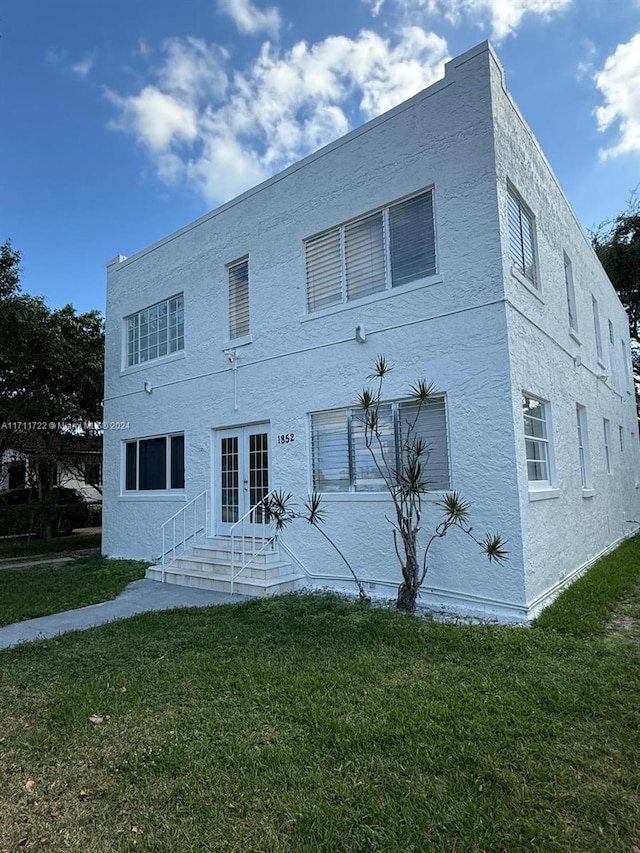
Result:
pixel 437 235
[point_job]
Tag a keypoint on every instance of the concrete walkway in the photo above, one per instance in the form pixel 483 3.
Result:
pixel 139 597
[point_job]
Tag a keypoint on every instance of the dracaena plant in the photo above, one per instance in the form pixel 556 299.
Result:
pixel 282 510
pixel 405 478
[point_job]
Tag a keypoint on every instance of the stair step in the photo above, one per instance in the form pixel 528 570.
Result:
pixel 203 565
pixel 256 587
pixel 223 555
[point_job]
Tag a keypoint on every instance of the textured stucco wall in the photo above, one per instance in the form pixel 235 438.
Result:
pixel 571 527
pixel 451 329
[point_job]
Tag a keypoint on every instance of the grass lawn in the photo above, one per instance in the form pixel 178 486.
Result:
pixel 25 548
pixel 307 723
pixel 41 590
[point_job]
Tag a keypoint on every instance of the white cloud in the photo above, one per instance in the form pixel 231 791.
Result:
pixel 249 19
pixel 503 16
pixel 83 68
pixel 619 82
pixel 223 132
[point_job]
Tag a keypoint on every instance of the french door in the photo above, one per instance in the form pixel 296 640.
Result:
pixel 242 477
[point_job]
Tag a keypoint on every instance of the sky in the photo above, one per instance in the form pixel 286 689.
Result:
pixel 123 120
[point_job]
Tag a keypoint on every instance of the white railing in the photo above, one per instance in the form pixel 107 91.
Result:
pixel 184 529
pixel 243 544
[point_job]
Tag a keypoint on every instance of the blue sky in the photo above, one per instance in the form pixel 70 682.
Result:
pixel 123 121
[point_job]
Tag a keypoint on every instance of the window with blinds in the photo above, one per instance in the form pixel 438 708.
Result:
pixel 342 462
pixel 239 299
pixel 380 251
pixel 521 237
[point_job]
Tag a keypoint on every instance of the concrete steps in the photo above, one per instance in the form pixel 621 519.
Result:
pixel 209 567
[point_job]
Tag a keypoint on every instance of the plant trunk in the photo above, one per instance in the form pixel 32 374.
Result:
pixel 408 589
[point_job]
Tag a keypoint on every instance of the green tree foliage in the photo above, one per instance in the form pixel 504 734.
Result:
pixel 617 244
pixel 51 369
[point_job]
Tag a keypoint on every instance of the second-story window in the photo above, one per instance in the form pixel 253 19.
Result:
pixel 522 237
pixel 571 295
pixel 239 299
pixel 156 331
pixel 373 254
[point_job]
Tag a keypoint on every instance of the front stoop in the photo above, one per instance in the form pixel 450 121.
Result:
pixel 209 567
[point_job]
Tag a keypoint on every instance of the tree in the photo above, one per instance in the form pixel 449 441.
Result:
pixel 51 369
pixel 404 475
pixel 405 478
pixel 617 244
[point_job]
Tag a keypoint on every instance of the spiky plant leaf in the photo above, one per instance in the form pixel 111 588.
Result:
pixel 493 545
pixel 455 507
pixel 380 368
pixel 315 510
pixel 423 391
pixel 367 399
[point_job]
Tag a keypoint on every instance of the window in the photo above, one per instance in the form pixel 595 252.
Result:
pixel 156 331
pixel 625 362
pixel 621 438
pixel 536 439
pixel 583 446
pixel 596 325
pixel 571 295
pixel 343 463
pixel 239 299
pixel 607 444
pixel 386 249
pixel 610 332
pixel 154 464
pixel 521 237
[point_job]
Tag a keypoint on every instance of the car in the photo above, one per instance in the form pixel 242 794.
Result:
pixel 23 512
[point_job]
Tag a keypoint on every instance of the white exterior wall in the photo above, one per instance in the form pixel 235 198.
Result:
pixel 568 529
pixel 455 329
pixel 451 330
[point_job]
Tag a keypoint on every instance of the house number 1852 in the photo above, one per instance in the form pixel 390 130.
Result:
pixel 286 438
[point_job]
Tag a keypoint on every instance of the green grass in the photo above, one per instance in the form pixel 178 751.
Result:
pixel 41 590
pixel 26 548
pixel 308 724
pixel 586 606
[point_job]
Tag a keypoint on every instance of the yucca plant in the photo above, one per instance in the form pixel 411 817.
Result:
pixel 405 478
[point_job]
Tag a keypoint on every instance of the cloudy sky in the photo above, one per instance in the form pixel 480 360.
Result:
pixel 125 119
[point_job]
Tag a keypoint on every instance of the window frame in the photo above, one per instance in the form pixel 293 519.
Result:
pixel 351 414
pixel 583 447
pixel 519 263
pixel 168 465
pixel 572 308
pixel 545 441
pixel 131 358
pixel 387 269
pixel 232 331
pixel 606 424
pixel 597 326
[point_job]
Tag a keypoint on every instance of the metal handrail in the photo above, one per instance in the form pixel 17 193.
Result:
pixel 194 533
pixel 265 525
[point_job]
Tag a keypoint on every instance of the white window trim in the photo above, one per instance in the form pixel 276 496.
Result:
pixel 239 340
pixel 545 488
pixel 572 306
pixel 584 456
pixel 151 494
pixel 535 283
pixel 169 356
pixel 597 328
pixel 389 290
pixel 606 426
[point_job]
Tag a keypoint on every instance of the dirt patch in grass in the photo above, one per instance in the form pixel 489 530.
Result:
pixel 625 623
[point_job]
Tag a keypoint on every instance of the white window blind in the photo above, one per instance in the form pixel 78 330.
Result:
pixel 239 300
pixel 343 463
pixel 385 249
pixel 521 237
pixel 413 245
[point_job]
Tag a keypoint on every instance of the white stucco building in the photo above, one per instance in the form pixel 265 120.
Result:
pixel 437 235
